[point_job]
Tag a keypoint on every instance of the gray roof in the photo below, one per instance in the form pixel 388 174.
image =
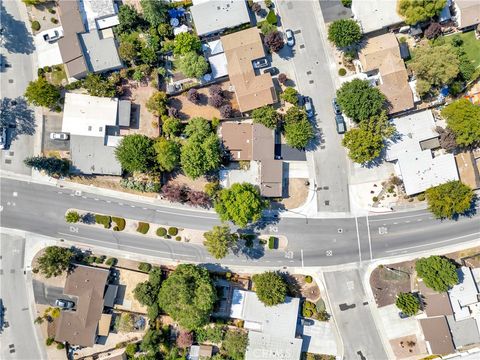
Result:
pixel 100 54
pixel 464 332
pixel 124 110
pixel 290 154
pixel 91 156
pixel 110 295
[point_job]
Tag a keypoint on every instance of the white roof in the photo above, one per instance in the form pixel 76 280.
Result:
pixel 420 170
pixel 375 14
pixel 218 64
pixel 211 16
pixel 107 22
pixel 410 131
pixel 213 47
pixel 464 294
pixel 264 346
pixel 88 115
pixel 96 9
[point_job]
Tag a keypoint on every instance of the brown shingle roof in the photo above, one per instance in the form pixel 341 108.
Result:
pixel 240 49
pixel 437 333
pixel 237 138
pixel 382 53
pixel 79 327
pixel 469 12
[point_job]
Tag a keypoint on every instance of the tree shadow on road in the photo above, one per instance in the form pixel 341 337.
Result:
pixel 17 117
pixel 16 38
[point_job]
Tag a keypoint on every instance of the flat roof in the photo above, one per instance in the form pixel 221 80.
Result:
pixel 464 294
pixel 88 285
pixel 100 53
pixel 90 155
pixel 437 334
pixel 464 332
pixel 97 9
pixel 88 115
pixel 218 64
pixel 469 13
pixel 434 303
pixel 262 347
pixel 376 14
pixel 252 91
pixel 124 112
pixel 237 138
pixel 213 16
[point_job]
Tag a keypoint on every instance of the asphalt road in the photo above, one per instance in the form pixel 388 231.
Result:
pixel 40 209
pixel 313 74
pixel 18 340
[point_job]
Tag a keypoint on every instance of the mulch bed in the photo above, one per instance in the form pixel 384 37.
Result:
pixel 387 281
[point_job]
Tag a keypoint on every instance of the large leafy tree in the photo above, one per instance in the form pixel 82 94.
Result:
pixel 41 93
pixel 199 156
pixel 54 261
pixel 192 65
pixel 135 153
pixel 168 153
pixel 97 85
pixel 344 32
pixel 450 199
pixel 299 133
pixel 359 100
pixel 151 343
pixel 290 95
pixel 51 165
pixel 241 204
pixel 219 241
pixel 188 295
pixel 408 303
pixel 363 146
pixel 157 103
pixel 274 41
pixel 147 292
pixel 198 128
pixel 438 273
pixel 415 11
pixel 270 287
pixel 266 115
pixel 434 66
pixel 129 19
pixel 463 118
pixel 172 127
pixel 185 43
pixel 235 344
pixel 154 11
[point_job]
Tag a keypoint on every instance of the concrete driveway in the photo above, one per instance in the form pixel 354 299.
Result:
pixel 47 294
pixel 334 10
pixel 48 53
pixel 53 123
pixel 319 338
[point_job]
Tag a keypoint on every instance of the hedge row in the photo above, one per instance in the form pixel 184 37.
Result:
pixel 104 220
pixel 120 223
pixel 143 227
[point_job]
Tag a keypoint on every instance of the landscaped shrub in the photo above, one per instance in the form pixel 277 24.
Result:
pixel 178 238
pixel 49 341
pixel 307 312
pixel 308 279
pixel 90 259
pixel 120 223
pixel 104 220
pixel 226 111
pixel 272 242
pixel 52 11
pixel 172 231
pixel 421 197
pixel 72 217
pixel 342 72
pixel 143 186
pixel 35 25
pixel 111 262
pixel 40 72
pixel 272 18
pixel 60 346
pixel 282 78
pixel 145 267
pixel 161 231
pixel 143 227
pixel 54 20
pixel 100 259
pixel 116 228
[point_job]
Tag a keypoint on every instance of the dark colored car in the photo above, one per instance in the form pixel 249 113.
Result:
pixel 336 107
pixel 260 63
pixel 340 123
pixel 309 107
pixel 64 304
pixel 271 70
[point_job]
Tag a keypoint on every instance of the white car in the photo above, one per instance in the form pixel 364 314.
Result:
pixel 52 35
pixel 290 38
pixel 59 136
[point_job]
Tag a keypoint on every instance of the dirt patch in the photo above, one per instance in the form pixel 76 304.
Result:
pixel 407 346
pixel 41 14
pixel 180 179
pixel 107 182
pixel 128 280
pixel 468 257
pixel 387 281
pixel 187 109
pixel 297 194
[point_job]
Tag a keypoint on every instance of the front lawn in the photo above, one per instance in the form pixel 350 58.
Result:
pixel 470 44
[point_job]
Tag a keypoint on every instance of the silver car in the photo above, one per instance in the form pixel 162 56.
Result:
pixel 64 304
pixel 290 38
pixel 59 136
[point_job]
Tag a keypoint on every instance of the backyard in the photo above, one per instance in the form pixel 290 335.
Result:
pixel 471 45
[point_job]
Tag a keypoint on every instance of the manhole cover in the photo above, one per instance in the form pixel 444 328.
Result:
pixel 302 46
pixel 322 147
pixel 310 82
pixel 309 72
pixel 11 153
pixel 10 81
pixel 297 31
pixel 340 231
pixel 8 161
pixel 327 202
pixel 326 187
pixel 12 271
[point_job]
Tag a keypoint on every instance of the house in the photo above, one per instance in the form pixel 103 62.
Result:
pixel 271 330
pixel 434 303
pixel 200 352
pixel 88 43
pixel 437 335
pixel 381 56
pixel 94 127
pixel 467 13
pixel 241 49
pixel 464 296
pixel 411 151
pixel 468 168
pixel 80 327
pixel 376 15
pixel 213 51
pixel 215 16
pixel 254 142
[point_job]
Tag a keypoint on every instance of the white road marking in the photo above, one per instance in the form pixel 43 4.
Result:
pixel 108 201
pixel 400 217
pixel 329 253
pixel 15 194
pixel 132 206
pixel 350 285
pixel 273 229
pixel 301 255
pixel 358 240
pixel 369 239
pixel 383 230
pixel 96 199
pixel 1 208
pixel 74 229
pixel 195 216
pixel 433 243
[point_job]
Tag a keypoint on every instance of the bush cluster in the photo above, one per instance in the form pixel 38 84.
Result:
pixel 104 220
pixel 183 194
pixel 172 231
pixel 272 18
pixel 120 223
pixel 35 25
pixel 143 227
pixel 145 267
pixel 143 186
pixel 308 279
pixel 111 261
pixel 100 259
pixel 272 242
pixel 161 231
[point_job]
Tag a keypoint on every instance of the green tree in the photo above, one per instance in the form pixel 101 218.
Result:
pixel 52 166
pixel 154 11
pixel 198 128
pixel 235 344
pixel 185 43
pixel 128 18
pixel 97 85
pixel 415 11
pixel 359 100
pixel 450 199
pixel 147 292
pixel 434 66
pixel 151 343
pixel 363 146
pixel 290 95
pixel 267 116
pixel 172 127
pixel 157 103
pixel 41 93
pixel 135 153
pixel 267 28
pixel 298 134
pixel 72 217
pixel 219 241
pixel 188 296
pixel 192 65
pixel 270 287
pixel 438 273
pixel 344 32
pixel 241 204
pixel 463 118
pixel 408 303
pixel 168 153
pixel 198 157
pixel 54 261
pixel 128 51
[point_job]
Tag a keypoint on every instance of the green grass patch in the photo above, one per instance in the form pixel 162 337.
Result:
pixel 470 45
pixel 272 242
pixel 143 227
pixel 120 222
pixel 58 75
pixel 104 220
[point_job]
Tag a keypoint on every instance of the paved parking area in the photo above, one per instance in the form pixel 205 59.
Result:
pixel 334 10
pixel 396 327
pixel 53 123
pixel 48 53
pixel 319 338
pixel 46 294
